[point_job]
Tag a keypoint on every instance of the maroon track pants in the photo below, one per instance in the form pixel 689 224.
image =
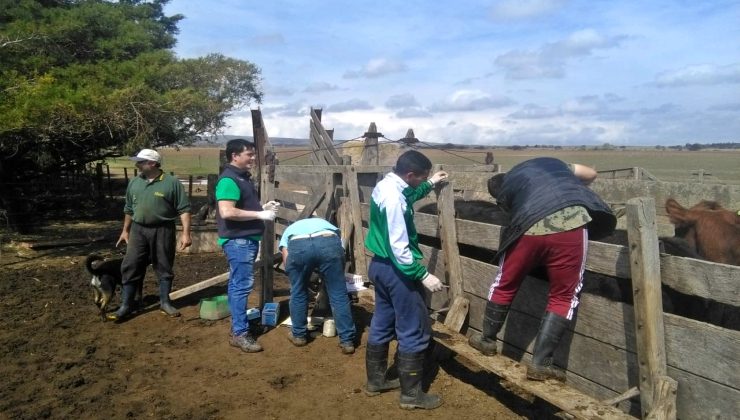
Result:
pixel 563 255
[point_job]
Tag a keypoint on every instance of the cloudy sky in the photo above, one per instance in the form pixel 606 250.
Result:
pixel 483 71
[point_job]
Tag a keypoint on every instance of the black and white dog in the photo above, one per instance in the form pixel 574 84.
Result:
pixel 106 275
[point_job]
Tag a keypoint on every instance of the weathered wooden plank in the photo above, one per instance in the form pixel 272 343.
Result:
pixel 701 278
pixel 267 247
pixel 664 399
pixel 448 236
pixel 185 291
pixel 288 214
pixel 291 196
pixel 613 323
pixel 300 179
pixel 309 169
pixel 325 140
pixel 648 303
pixel 568 399
pixel 307 211
pixel 361 262
pixel 687 193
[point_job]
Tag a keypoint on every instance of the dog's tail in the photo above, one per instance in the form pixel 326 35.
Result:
pixel 90 260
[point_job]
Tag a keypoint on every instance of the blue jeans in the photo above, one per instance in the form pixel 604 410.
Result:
pixel 326 254
pixel 400 310
pixel 241 254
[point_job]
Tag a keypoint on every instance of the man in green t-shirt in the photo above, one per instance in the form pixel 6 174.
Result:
pixel 241 219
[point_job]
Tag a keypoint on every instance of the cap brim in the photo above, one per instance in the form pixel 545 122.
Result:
pixel 138 159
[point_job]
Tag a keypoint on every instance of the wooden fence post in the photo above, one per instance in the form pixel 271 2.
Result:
pixel 448 236
pixel 355 211
pixel 459 305
pixel 642 236
pixel 267 192
pixel 370 154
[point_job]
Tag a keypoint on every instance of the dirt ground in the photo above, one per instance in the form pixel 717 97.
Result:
pixel 59 360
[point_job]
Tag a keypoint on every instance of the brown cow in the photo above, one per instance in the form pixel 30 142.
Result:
pixel 714 232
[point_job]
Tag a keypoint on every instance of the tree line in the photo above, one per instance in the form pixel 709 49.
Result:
pixel 83 80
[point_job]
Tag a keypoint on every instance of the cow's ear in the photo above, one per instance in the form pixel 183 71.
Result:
pixel 677 214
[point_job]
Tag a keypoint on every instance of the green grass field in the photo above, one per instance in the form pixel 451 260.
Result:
pixel 667 165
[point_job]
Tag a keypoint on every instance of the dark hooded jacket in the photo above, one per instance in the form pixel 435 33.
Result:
pixel 537 188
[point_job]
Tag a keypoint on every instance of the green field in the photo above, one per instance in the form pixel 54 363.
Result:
pixel 668 165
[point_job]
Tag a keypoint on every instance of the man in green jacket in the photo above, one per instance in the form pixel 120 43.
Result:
pixel 154 200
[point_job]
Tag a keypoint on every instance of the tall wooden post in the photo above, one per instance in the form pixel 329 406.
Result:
pixel 267 193
pixel 642 235
pixel 459 305
pixel 370 151
pixel 355 211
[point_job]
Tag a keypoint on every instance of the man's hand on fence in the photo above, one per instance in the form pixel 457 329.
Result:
pixel 432 283
pixel 271 205
pixel 268 215
pixel 438 177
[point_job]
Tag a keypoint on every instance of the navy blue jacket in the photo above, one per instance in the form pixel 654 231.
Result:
pixel 537 188
pixel 248 200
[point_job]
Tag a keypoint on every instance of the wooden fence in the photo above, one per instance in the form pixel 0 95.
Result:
pixel 614 350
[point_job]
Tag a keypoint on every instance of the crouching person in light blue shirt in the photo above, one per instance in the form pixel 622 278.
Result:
pixel 310 244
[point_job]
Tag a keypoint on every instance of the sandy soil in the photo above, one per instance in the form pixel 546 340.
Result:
pixel 59 360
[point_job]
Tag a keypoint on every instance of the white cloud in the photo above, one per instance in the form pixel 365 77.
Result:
pixel 403 100
pixel 378 67
pixel 533 111
pixel 549 61
pixel 705 74
pixel 351 105
pixel 470 100
pixel 413 112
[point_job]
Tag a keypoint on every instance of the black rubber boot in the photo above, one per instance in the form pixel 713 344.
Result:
pixel 165 304
pixel 410 372
pixel 379 377
pixel 128 291
pixel 551 331
pixel 493 320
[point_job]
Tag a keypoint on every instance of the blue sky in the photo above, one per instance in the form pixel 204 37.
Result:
pixel 484 72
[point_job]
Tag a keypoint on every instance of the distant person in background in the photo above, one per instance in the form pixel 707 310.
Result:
pixel 310 244
pixel 553 214
pixel 399 279
pixel 241 220
pixel 154 200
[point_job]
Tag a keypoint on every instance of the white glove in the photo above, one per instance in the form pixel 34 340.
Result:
pixel 438 177
pixel 432 283
pixel 266 215
pixel 271 205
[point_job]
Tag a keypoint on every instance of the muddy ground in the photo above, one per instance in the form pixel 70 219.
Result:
pixel 60 361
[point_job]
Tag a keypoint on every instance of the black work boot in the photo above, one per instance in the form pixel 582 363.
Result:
pixel 165 304
pixel 551 331
pixel 410 372
pixel 128 290
pixel 493 320
pixel 379 377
